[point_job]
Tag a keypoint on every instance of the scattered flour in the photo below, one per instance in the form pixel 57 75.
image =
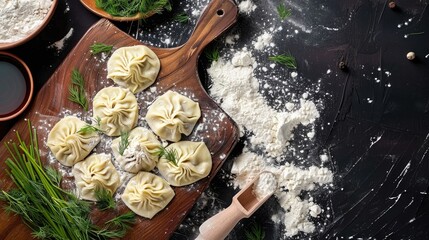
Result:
pixel 265 185
pixel 263 41
pixel 246 6
pixel 246 106
pixel 231 39
pixel 324 158
pixel 59 45
pixel 292 181
pixel 236 88
pixel 18 18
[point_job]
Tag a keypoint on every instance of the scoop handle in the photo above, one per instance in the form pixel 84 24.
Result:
pixel 221 224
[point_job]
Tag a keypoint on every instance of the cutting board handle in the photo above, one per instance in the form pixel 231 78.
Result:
pixel 217 17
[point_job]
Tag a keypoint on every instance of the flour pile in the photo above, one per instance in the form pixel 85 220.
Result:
pixel 18 18
pixel 270 132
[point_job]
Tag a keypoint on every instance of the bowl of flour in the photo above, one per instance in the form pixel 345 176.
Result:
pixel 21 20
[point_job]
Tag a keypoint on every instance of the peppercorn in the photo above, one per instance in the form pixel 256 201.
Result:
pixel 411 56
pixel 342 65
pixel 392 4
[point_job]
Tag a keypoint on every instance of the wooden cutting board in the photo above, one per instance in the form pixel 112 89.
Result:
pixel 178 72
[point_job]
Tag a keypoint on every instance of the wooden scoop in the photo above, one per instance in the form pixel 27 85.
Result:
pixel 243 205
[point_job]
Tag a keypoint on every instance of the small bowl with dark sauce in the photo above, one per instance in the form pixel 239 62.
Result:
pixel 16 86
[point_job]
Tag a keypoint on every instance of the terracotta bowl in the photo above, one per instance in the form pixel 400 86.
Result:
pixel 90 5
pixel 36 31
pixel 29 85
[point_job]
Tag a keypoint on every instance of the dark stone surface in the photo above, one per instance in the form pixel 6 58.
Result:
pixel 377 134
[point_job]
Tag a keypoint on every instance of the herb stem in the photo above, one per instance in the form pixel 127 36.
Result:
pixel 283 11
pixel 100 47
pixel 77 90
pixel 285 59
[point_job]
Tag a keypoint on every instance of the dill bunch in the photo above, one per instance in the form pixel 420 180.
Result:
pixel 127 8
pixel 51 212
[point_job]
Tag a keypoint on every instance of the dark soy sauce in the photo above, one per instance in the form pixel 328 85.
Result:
pixel 13 87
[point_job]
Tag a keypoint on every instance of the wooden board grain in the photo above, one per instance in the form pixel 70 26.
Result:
pixel 178 72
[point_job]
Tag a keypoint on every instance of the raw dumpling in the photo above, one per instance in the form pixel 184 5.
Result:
pixel 135 68
pixel 117 109
pixel 193 162
pixel 141 152
pixel 172 114
pixel 146 194
pixel 96 171
pixel 69 146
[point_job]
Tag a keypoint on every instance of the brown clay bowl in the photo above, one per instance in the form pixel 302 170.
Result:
pixel 37 30
pixel 90 5
pixel 9 88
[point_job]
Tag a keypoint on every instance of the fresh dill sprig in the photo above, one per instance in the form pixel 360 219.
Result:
pixel 169 154
pixel 181 18
pixel 255 232
pixel 77 90
pixel 123 144
pixel 127 8
pixel 51 212
pixel 286 59
pixel 123 221
pixel 54 175
pixel 119 224
pixel 104 199
pixel 100 47
pixel 283 11
pixel 88 129
pixel 212 53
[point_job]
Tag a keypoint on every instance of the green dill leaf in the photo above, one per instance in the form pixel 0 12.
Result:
pixel 118 226
pixel 283 11
pixel 212 53
pixel 124 220
pixel 77 90
pixel 181 18
pixel 124 142
pixel 104 199
pixel 128 8
pixel 169 154
pixel 255 232
pixel 100 47
pixel 88 129
pixel 285 59
pixel 54 175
